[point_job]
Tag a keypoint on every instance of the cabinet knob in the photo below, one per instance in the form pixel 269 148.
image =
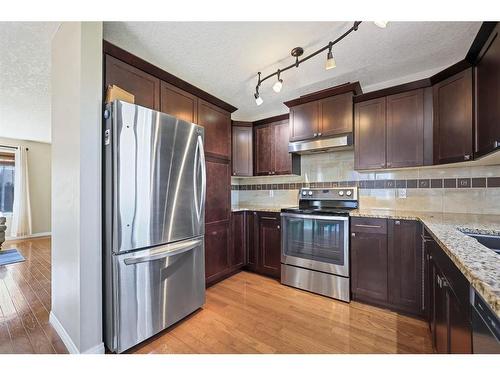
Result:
pixel 466 157
pixel 389 164
pixel 397 222
pixel 278 226
pixel 496 144
pixel 270 172
pixel 320 134
pixel 315 134
pixel 353 234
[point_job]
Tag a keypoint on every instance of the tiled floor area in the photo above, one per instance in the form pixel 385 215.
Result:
pixel 246 313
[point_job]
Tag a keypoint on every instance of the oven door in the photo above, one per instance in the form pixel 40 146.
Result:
pixel 316 242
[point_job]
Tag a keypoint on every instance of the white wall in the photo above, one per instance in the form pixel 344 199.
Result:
pixel 39 181
pixel 76 185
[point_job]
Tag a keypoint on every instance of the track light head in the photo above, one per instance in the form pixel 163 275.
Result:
pixel 381 24
pixel 258 99
pixel 330 61
pixel 279 83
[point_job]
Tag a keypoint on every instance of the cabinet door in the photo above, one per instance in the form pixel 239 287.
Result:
pixel 238 249
pixel 217 124
pixel 282 158
pixel 405 129
pixel 459 327
pixel 405 265
pixel 453 118
pixel 252 241
pixel 178 103
pixel 142 85
pixel 270 245
pixel 264 150
pixel 335 115
pixel 218 193
pixel 369 259
pixel 440 319
pixel 304 121
pixel 369 128
pixel 487 82
pixel 217 259
pixel 242 146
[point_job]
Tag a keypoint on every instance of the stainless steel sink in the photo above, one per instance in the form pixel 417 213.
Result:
pixel 490 241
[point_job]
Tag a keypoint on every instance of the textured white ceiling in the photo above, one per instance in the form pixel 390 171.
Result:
pixel 223 58
pixel 24 79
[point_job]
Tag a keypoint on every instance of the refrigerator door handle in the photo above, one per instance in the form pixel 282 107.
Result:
pixel 164 252
pixel 199 202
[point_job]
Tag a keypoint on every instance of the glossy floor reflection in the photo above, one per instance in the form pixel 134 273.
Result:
pixel 25 301
pixel 248 313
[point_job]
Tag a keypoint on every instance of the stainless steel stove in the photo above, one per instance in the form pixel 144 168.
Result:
pixel 315 241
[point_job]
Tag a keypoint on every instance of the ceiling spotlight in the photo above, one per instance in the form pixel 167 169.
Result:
pixel 258 99
pixel 279 84
pixel 381 24
pixel 330 61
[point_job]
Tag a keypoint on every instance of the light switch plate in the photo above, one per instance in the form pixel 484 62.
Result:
pixel 402 193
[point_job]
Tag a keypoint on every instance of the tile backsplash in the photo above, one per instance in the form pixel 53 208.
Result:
pixel 471 189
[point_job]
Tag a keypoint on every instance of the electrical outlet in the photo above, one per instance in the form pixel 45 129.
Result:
pixel 271 193
pixel 402 193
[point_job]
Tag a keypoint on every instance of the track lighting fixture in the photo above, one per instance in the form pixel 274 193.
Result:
pixel 297 52
pixel 330 61
pixel 381 24
pixel 279 83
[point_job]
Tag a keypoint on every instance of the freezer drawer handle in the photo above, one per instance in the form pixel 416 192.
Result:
pixel 172 250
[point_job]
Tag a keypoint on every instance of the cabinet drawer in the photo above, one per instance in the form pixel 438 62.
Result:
pixel 368 225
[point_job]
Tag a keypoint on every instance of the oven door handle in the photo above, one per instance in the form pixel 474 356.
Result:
pixel 320 217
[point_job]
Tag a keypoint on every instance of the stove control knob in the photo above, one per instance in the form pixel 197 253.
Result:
pixel 348 193
pixel 310 193
pixel 304 193
pixel 341 193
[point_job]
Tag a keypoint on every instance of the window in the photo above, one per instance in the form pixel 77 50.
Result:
pixel 6 181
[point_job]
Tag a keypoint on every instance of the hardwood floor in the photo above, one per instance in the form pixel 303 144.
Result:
pixel 25 301
pixel 246 313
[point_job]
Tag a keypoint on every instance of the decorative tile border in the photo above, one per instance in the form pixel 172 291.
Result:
pixel 426 183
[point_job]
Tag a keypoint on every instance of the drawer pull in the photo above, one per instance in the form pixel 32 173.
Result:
pixel 367 226
pixel 268 218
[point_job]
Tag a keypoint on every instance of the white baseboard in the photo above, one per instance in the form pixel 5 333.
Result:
pixel 66 339
pixel 68 342
pixel 43 234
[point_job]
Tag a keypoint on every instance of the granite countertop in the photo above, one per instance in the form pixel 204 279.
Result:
pixel 480 265
pixel 259 208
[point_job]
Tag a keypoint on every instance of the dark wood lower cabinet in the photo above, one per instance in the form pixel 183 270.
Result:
pixel 269 244
pixel 239 240
pixel 386 263
pixel 217 246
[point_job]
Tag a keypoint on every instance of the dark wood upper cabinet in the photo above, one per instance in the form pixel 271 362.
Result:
pixel 405 129
pixel 487 95
pixel 453 118
pixel 369 262
pixel 242 147
pixel 178 103
pixel 264 150
pixel 405 265
pixel 282 158
pixel 369 134
pixel 145 87
pixel 336 115
pixel 217 124
pixel 304 121
pixel 218 194
pixel 271 150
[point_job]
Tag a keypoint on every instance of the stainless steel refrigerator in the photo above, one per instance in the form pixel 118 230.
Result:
pixel 154 216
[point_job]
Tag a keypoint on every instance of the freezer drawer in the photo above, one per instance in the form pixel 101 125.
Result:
pixel 153 289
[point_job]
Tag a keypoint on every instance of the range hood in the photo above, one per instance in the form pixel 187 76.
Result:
pixel 343 142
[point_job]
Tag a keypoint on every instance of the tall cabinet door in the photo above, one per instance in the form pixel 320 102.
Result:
pixel 242 159
pixel 178 103
pixel 282 158
pixel 335 115
pixel 369 133
pixel 453 118
pixel 270 244
pixel 405 129
pixel 304 121
pixel 405 265
pixel 369 262
pixel 145 87
pixel 264 150
pixel 217 124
